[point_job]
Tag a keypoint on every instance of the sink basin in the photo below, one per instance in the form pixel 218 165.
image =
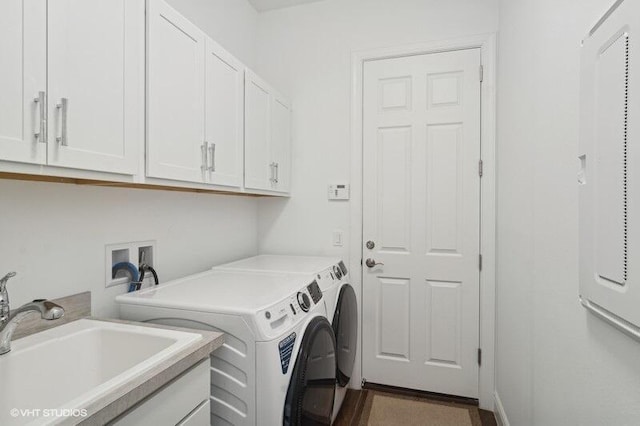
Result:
pixel 72 365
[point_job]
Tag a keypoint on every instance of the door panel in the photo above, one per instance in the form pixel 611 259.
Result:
pixel 393 315
pixel 23 43
pixel 394 181
pixel 96 62
pixel 224 115
pixel 176 96
pixel 443 188
pixel 443 332
pixel 421 208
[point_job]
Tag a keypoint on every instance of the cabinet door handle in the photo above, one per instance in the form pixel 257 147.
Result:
pixel 277 166
pixel 204 148
pixel 272 172
pixel 63 107
pixel 41 133
pixel 212 152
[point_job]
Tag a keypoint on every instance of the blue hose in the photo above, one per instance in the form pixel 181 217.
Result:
pixel 130 270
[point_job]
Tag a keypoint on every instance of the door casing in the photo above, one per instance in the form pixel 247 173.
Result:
pixel 487 45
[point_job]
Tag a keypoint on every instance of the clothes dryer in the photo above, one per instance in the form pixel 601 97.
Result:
pixel 340 299
pixel 277 365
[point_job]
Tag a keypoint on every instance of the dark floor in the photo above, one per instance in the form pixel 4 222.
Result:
pixel 351 408
pixel 354 403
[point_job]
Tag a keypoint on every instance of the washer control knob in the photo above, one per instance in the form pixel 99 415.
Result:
pixel 303 301
pixel 337 272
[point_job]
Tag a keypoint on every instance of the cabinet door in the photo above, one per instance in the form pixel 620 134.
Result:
pixel 23 70
pixel 175 97
pixel 176 403
pixel 96 84
pixel 224 108
pixel 259 171
pixel 281 143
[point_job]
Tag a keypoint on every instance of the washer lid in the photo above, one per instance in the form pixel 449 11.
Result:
pixel 219 291
pixel 280 263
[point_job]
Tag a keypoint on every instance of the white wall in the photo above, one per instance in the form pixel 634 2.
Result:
pixel 231 23
pixel 305 52
pixel 556 364
pixel 54 235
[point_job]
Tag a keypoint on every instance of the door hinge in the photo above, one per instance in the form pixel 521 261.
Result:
pixel 481 73
pixel 360 262
pixel 480 168
pixel 479 356
pixel 480 261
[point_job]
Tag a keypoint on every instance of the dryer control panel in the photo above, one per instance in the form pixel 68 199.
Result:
pixel 281 316
pixel 331 276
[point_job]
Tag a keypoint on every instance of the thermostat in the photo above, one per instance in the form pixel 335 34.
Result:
pixel 339 192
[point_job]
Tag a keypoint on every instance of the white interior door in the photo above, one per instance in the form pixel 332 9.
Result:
pixel 421 210
pixel 23 79
pixel 175 96
pixel 224 108
pixel 96 84
pixel 258 172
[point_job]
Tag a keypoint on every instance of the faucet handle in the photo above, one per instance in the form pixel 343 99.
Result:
pixel 3 281
pixel 4 298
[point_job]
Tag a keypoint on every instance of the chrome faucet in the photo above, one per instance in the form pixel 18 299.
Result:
pixel 10 320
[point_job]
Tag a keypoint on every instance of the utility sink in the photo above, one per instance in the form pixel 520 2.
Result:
pixel 73 365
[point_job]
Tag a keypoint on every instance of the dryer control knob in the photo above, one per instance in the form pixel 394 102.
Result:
pixel 303 301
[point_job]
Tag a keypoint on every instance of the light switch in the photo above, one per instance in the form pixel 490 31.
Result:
pixel 338 237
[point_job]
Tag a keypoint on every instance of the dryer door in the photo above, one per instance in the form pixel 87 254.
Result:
pixel 313 380
pixel 345 328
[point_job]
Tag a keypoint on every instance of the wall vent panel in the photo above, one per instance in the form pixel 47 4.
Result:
pixel 609 156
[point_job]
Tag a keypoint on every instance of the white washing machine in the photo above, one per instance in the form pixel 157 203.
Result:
pixel 340 299
pixel 277 365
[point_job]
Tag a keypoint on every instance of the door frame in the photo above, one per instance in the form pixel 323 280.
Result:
pixel 487 45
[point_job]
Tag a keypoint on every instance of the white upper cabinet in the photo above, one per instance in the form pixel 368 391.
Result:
pixel 89 87
pixel 224 109
pixel 90 55
pixel 23 80
pixel 281 143
pixel 96 84
pixel 175 96
pixel 267 137
pixel 195 103
pixel 258 166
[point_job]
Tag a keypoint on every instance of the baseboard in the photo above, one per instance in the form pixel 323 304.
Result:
pixel 501 415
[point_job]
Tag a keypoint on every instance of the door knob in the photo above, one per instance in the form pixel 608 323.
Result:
pixel 371 263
